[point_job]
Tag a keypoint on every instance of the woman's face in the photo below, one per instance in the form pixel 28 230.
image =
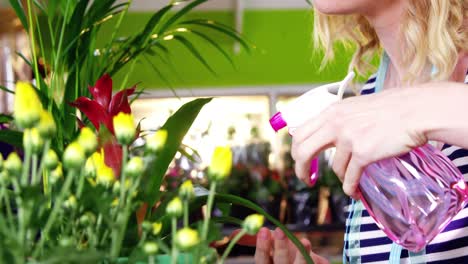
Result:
pixel 345 7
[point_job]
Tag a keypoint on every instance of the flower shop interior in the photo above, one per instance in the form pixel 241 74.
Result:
pixel 250 57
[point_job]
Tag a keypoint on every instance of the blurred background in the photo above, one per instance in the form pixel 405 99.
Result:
pixel 283 65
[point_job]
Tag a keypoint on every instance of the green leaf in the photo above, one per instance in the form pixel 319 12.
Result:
pixel 19 10
pixel 227 198
pixel 5 118
pixel 176 126
pixel 221 28
pixel 194 51
pixel 228 220
pixel 3 88
pixel 12 137
pixel 179 14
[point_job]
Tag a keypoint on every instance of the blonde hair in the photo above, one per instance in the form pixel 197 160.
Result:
pixel 433 32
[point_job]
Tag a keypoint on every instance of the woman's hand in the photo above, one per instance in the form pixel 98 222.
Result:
pixel 363 129
pixel 275 247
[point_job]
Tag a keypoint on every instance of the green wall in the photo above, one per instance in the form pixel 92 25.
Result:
pixel 284 54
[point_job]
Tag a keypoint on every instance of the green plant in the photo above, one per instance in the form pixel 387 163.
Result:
pixel 64 34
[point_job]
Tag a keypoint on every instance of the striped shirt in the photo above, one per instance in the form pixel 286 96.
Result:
pixel 449 247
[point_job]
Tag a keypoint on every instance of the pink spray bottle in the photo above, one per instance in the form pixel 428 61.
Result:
pixel 412 197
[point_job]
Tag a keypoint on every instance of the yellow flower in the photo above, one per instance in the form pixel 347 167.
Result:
pixel 74 156
pixel 28 107
pixel 13 164
pixel 174 207
pixel 115 202
pixel 156 228
pixel 124 128
pixel 186 238
pixel 134 167
pixel 150 248
pixel 156 141
pixel 46 125
pixel 56 174
pixel 70 203
pixel 221 163
pixel 51 160
pixel 32 139
pixel 186 191
pixel 105 176
pixel 253 223
pixel 88 140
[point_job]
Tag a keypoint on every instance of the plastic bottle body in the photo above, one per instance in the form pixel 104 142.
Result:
pixel 413 197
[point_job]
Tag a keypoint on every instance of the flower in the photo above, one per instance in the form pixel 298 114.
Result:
pixel 186 238
pixel 174 207
pixel 70 203
pixel 51 160
pixel 104 107
pixel 74 156
pixel 221 163
pixel 13 164
pixel 46 125
pixel 186 191
pixel 88 140
pixel 156 228
pixel 32 139
pixel 150 248
pixel 134 167
pixel 105 175
pixel 28 107
pixel 56 174
pixel 124 128
pixel 156 141
pixel 253 223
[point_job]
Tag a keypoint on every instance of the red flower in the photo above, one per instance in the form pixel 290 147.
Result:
pixel 101 111
pixel 104 107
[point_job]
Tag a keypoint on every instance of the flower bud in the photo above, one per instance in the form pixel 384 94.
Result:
pixel 67 242
pixel 50 160
pixel 124 128
pixel 186 191
pixel 134 167
pixel 146 225
pixel 221 164
pixel 253 223
pixel 56 174
pixel 70 203
pixel 150 248
pixel 88 140
pixel 156 228
pixel 13 164
pixel 105 176
pixel 46 126
pixel 28 107
pixel 115 202
pixel 174 207
pixel 87 219
pixel 116 187
pixel 186 238
pixel 74 156
pixel 156 142
pixel 32 139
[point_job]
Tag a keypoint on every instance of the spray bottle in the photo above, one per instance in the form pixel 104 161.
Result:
pixel 412 197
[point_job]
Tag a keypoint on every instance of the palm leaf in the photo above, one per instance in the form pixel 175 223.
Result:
pixel 220 28
pixel 194 52
pixel 3 88
pixel 19 10
pixel 179 14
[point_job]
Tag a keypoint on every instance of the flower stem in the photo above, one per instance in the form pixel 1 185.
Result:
pixel 122 176
pixel 81 182
pixel 231 245
pixel 174 248
pixel 34 179
pixel 45 180
pixel 208 210
pixel 33 45
pixel 55 210
pixel 186 212
pixel 27 165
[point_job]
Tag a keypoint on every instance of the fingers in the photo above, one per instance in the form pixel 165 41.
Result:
pixel 352 177
pixel 262 252
pixel 299 259
pixel 340 162
pixel 281 252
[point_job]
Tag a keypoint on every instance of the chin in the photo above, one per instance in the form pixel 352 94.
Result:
pixel 339 7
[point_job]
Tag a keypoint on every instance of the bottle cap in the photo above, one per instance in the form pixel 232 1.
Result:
pixel 277 122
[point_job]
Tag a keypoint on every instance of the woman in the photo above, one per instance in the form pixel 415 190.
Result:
pixel 423 69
